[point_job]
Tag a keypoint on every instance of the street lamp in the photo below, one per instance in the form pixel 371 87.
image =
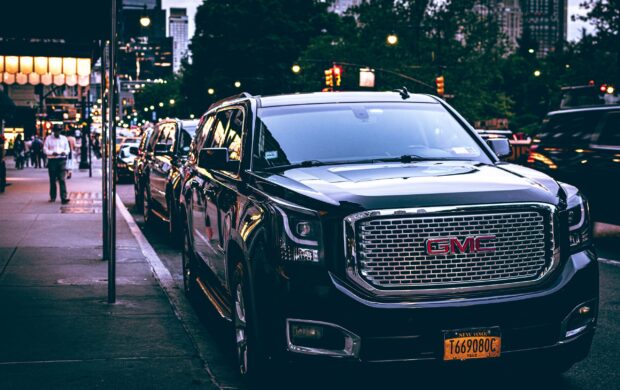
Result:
pixel 531 51
pixel 210 91
pixel 172 102
pixel 392 39
pixel 161 104
pixel 296 69
pixel 237 84
pixel 152 108
pixel 537 73
pixel 145 21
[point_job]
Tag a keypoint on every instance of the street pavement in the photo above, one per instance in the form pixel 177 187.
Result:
pixel 58 332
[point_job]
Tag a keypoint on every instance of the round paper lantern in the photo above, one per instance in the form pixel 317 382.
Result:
pixel 69 66
pixel 40 65
pixel 55 65
pixel 8 78
pixel 26 64
pixel 71 80
pixel 83 66
pixel 83 81
pixel 47 79
pixel 59 79
pixel 34 78
pixel 11 64
pixel 21 78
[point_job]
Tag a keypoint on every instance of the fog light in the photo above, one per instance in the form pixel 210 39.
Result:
pixel 584 310
pixel 579 320
pixel 312 332
pixel 321 338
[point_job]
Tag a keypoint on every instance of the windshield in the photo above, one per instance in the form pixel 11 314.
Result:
pixel 360 131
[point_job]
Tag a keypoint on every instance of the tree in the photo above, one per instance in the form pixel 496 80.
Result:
pixel 254 42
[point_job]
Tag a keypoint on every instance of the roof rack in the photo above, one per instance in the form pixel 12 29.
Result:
pixel 230 98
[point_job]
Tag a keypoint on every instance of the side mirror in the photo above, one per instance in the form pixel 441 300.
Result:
pixel 500 146
pixel 216 158
pixel 134 150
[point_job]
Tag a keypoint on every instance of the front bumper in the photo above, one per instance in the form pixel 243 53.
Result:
pixel 534 322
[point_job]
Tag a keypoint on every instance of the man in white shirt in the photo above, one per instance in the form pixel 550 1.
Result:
pixel 56 148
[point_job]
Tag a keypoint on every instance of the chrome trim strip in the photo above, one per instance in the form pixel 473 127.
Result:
pixel 350 246
pixel 351 348
pixel 582 219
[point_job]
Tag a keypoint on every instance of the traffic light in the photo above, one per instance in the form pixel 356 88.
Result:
pixel 329 77
pixel 439 82
pixel 337 72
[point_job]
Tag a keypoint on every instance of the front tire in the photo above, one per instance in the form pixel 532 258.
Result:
pixel 251 362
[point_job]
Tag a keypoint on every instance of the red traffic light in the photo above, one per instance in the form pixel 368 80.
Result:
pixel 603 88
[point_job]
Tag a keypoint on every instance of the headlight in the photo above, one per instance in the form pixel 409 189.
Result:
pixel 300 235
pixel 579 228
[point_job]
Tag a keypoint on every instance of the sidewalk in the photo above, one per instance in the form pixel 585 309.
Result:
pixel 57 330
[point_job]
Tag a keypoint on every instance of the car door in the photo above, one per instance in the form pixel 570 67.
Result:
pixel 162 163
pixel 222 193
pixel 201 226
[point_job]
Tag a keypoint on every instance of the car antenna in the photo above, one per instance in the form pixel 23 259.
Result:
pixel 404 93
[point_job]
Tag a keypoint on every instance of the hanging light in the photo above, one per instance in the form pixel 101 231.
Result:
pixel 46 79
pixel 21 78
pixel 84 80
pixel 69 66
pixel 59 79
pixel 34 78
pixel 40 65
pixel 71 79
pixel 11 64
pixel 8 78
pixel 83 66
pixel 1 64
pixel 26 65
pixel 55 64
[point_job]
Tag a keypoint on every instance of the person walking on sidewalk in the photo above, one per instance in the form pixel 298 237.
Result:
pixel 37 152
pixel 56 148
pixel 19 150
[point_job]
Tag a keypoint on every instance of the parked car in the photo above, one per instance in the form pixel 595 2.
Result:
pixel 165 155
pixel 582 147
pixel 380 227
pixel 138 167
pixel 124 162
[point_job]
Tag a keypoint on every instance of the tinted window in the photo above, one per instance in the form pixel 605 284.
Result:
pixel 569 128
pixel 358 131
pixel 165 141
pixel 610 133
pixel 232 141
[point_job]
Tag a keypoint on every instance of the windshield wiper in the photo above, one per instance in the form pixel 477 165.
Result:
pixel 303 164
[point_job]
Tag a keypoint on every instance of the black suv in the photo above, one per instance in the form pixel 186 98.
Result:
pixel 160 181
pixel 379 227
pixel 582 147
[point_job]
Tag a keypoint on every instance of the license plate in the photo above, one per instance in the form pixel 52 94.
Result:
pixel 465 344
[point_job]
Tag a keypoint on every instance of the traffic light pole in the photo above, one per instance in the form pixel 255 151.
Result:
pixel 111 162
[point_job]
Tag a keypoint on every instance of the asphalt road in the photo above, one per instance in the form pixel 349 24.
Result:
pixel 214 338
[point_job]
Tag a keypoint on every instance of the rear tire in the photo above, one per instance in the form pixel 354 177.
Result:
pixel 189 266
pixel 146 206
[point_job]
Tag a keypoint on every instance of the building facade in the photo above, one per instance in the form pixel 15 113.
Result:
pixel 177 28
pixel 340 6
pixel 546 24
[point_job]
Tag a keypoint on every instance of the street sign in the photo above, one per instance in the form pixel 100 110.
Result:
pixel 367 78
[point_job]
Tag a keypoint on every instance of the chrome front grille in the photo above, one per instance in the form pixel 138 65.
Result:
pixel 391 252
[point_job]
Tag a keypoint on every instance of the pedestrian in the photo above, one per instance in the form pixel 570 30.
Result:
pixel 28 152
pixel 70 160
pixel 37 152
pixel 19 150
pixel 56 148
pixel 96 147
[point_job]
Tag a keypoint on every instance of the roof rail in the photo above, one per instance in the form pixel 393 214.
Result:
pixel 230 98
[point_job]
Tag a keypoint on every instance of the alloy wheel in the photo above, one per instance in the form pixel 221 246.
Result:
pixel 241 329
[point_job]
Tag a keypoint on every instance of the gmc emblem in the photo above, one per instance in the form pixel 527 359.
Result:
pixel 452 245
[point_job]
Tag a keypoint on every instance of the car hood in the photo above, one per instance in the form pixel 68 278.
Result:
pixel 425 184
